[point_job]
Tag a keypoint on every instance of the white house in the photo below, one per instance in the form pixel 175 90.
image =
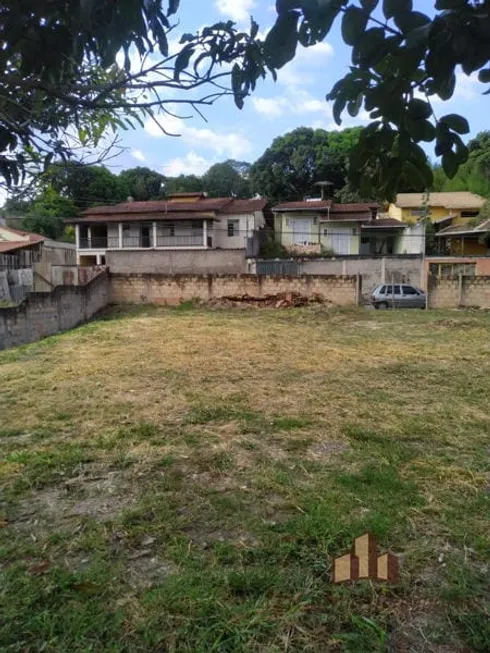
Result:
pixel 185 221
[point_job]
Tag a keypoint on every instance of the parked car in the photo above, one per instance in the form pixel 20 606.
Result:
pixel 398 296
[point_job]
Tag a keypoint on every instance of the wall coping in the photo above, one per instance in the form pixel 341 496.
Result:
pixel 252 277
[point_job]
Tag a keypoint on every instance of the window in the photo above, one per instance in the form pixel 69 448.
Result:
pixel 233 228
pixel 389 290
pixel 383 290
pixel 325 232
pixel 354 231
pixel 398 290
pixel 419 213
pixel 196 228
pixel 469 214
pixel 315 221
pixel 408 290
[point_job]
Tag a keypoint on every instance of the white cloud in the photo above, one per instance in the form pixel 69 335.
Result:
pixel 304 69
pixel 232 144
pixel 138 155
pixel 235 9
pixel 270 107
pixel 315 54
pixel 190 164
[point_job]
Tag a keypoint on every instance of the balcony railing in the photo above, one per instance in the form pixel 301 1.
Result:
pixel 141 242
pixel 188 240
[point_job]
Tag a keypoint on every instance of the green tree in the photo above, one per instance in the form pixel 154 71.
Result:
pixel 141 183
pixel 86 186
pixel 183 184
pixel 401 60
pixel 474 175
pixel 295 162
pixel 225 180
pixel 47 212
pixel 60 74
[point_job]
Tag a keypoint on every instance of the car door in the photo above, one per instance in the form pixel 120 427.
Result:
pixel 411 297
pixel 398 296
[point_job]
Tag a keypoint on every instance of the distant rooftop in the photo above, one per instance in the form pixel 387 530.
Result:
pixel 452 200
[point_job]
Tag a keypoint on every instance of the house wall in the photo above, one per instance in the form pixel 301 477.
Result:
pixel 162 289
pixel 44 314
pixel 411 240
pixel 333 228
pixel 435 213
pixel 284 226
pixel 462 291
pixel 52 254
pixel 208 261
pixel 468 247
pixel 446 263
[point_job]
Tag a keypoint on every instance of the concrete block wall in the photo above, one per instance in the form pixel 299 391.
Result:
pixel 170 262
pixel 47 313
pixel 462 291
pixel 167 290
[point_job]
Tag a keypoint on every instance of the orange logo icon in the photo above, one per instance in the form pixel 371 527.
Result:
pixel 363 562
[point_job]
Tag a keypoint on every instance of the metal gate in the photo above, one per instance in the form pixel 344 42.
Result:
pixel 279 268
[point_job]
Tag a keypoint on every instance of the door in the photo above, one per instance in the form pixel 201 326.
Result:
pixel 411 297
pixel 340 239
pixel 301 230
pixel 145 235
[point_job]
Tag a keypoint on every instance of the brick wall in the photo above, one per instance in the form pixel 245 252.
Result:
pixel 162 289
pixel 46 313
pixel 454 292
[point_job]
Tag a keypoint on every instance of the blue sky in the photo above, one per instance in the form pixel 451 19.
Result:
pixel 296 99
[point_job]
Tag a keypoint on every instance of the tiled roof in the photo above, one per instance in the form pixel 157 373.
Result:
pixel 19 239
pixel 452 200
pixel 160 206
pixel 465 229
pixel 245 206
pixel 325 205
pixel 142 217
pixel 385 223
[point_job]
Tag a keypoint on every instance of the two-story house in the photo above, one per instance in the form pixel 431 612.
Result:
pixel 185 221
pixel 454 216
pixel 322 226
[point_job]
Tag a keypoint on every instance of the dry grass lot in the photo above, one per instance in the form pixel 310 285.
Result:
pixel 180 481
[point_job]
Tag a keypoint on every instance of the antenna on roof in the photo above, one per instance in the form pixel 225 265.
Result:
pixel 324 185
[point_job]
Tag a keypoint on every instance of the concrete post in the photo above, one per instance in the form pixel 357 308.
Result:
pixel 344 268
pixel 383 269
pixel 154 234
pixel 89 237
pixel 460 290
pixel 120 234
pixel 205 233
pixel 358 289
pixel 77 236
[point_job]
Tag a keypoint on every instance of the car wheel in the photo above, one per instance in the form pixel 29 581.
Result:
pixel 382 306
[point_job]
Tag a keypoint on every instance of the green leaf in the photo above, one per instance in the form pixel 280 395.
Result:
pixel 338 107
pixel 450 4
pixel 354 24
pixel 445 86
pixel 354 106
pixel 369 5
pixel 421 130
pixel 393 7
pixel 418 109
pixel 407 21
pixel 182 61
pixel 450 163
pixel 456 123
pixel 281 42
pixel 484 76
pixel 236 85
pixel 173 6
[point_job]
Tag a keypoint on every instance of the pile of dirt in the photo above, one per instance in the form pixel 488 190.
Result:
pixel 281 300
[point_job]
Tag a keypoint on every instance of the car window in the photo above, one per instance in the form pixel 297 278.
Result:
pixel 389 290
pixel 382 290
pixel 397 290
pixel 408 290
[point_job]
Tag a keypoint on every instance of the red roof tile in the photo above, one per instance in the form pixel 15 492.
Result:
pixel 321 205
pixel 245 206
pixel 160 206
pixel 142 217
pixel 383 223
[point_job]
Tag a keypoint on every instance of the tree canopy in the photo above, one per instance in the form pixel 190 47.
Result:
pixel 295 162
pixel 474 175
pixel 142 184
pixel 228 179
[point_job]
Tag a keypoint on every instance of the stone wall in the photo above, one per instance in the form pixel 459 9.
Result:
pixel 173 290
pixel 43 314
pixel 171 262
pixel 462 291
